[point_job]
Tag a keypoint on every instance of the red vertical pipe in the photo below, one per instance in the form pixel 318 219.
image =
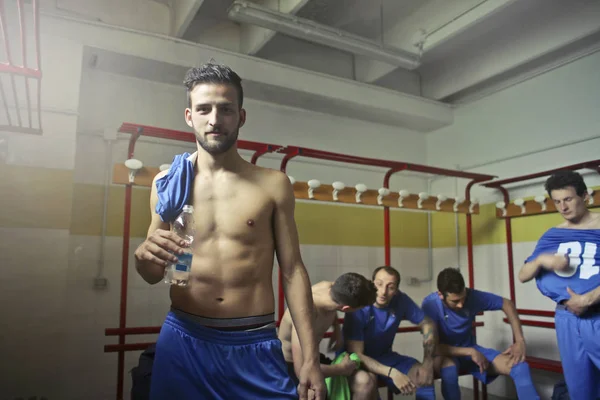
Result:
pixel 509 249
pixel 36 27
pixel 24 58
pixel 469 224
pixel 125 269
pixel 470 250
pixel 386 234
pixel 387 246
pixel 124 276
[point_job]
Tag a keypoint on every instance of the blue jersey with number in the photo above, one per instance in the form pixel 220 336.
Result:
pixel 583 273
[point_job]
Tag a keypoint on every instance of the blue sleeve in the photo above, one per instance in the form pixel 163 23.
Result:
pixel 412 312
pixel 354 326
pixel 540 247
pixel 485 301
pixel 429 308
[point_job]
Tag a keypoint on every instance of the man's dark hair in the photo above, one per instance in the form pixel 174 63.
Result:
pixel 389 270
pixel 450 280
pixel 354 290
pixel 213 73
pixel 564 179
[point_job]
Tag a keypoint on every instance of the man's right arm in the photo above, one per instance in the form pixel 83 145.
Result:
pixel 556 262
pixel 153 255
pixel 345 368
pixel 371 365
pixel 401 381
pixel 530 270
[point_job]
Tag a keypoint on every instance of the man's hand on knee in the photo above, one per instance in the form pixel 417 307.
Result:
pixel 403 382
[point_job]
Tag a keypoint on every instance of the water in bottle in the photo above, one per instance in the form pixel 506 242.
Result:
pixel 178 273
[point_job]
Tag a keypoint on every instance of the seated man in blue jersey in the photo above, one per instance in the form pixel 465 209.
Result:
pixel 566 267
pixel 370 333
pixel 453 308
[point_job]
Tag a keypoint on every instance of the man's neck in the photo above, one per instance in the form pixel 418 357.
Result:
pixel 585 219
pixel 207 162
pixel 323 301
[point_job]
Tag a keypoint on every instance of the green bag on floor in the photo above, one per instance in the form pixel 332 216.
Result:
pixel 337 386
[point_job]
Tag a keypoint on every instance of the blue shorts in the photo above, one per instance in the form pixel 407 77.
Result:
pixel 579 347
pixel 467 364
pixel 397 361
pixel 195 362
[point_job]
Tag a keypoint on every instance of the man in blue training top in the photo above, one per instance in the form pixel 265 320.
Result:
pixel 453 308
pixel 370 333
pixel 566 267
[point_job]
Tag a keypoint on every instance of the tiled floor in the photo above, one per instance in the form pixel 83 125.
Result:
pixel 466 394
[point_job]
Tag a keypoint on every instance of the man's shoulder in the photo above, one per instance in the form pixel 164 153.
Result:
pixel 268 178
pixel 477 293
pixel 161 174
pixel 404 299
pixel 431 298
pixel 360 314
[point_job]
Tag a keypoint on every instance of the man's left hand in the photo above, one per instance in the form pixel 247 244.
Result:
pixel 311 380
pixel 516 352
pixel 577 304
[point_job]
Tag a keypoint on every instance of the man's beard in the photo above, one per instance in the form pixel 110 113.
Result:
pixel 220 146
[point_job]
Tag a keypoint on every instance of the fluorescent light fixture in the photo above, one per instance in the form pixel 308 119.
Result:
pixel 252 13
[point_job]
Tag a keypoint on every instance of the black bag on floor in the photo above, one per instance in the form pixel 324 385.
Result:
pixel 140 375
pixel 560 391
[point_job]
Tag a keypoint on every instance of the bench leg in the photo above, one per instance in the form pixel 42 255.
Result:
pixel 475 389
pixel 484 391
pixel 390 394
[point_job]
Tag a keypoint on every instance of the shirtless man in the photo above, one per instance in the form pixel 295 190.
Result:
pixel 348 293
pixel 566 267
pixel 219 340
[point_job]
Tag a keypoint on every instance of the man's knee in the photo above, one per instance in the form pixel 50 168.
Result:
pixel 363 382
pixel 502 365
pixel 448 362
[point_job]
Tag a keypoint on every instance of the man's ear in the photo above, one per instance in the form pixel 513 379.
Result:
pixel 188 117
pixel 242 118
pixel 440 295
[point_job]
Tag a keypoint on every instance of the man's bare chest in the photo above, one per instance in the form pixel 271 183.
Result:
pixel 234 208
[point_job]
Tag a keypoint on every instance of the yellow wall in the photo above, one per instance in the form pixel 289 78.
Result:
pixel 48 198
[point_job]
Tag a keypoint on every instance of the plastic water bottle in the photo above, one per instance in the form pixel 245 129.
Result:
pixel 178 273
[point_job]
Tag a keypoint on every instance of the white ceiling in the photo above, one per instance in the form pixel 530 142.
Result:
pixel 471 47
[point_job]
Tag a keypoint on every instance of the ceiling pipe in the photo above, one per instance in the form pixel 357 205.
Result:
pixel 251 13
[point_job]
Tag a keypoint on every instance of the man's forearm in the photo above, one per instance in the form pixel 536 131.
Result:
pixel 446 350
pixel 299 299
pixel 429 341
pixel 513 319
pixel 529 271
pixel 373 366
